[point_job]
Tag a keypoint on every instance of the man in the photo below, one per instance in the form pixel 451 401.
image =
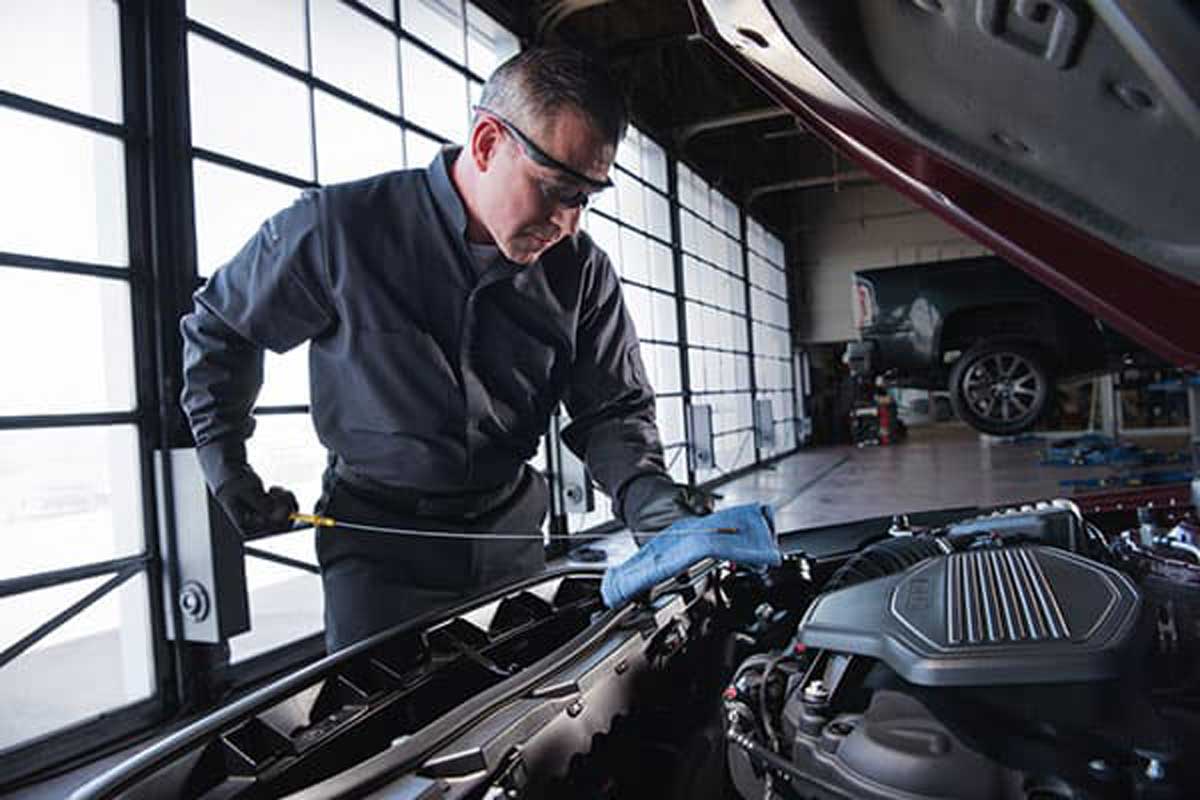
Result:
pixel 449 311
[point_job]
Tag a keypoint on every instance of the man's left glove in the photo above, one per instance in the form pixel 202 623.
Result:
pixel 653 501
pixel 253 510
pixel 744 534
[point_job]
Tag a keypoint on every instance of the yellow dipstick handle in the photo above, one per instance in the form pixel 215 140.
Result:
pixel 313 519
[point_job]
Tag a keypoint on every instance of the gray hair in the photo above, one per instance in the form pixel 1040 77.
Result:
pixel 533 85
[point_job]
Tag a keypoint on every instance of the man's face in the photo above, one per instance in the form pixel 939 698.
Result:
pixel 526 206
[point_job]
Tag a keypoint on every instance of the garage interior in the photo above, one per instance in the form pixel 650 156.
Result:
pixel 143 142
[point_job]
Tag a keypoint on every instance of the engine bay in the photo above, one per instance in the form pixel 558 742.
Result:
pixel 1024 653
pixel 1031 652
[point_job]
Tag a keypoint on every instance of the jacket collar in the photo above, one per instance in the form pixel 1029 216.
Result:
pixel 444 193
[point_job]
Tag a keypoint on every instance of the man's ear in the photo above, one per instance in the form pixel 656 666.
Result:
pixel 485 142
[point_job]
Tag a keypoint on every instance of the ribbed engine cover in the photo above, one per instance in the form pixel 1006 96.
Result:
pixel 985 617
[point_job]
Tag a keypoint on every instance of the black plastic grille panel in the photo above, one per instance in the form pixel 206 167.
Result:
pixel 997 596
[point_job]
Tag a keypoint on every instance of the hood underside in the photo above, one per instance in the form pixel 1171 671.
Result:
pixel 1064 135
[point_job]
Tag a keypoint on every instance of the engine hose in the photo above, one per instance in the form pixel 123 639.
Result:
pixel 766 757
pixel 887 557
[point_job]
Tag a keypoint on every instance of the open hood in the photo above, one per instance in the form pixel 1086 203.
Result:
pixel 1064 135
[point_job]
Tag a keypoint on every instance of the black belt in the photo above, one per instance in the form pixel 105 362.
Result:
pixel 419 502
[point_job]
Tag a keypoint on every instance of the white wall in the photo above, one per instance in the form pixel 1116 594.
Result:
pixel 862 227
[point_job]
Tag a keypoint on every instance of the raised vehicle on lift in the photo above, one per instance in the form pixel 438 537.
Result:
pixel 996 339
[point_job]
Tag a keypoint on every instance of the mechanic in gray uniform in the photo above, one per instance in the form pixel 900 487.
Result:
pixel 449 310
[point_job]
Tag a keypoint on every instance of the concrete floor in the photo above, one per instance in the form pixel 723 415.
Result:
pixel 941 466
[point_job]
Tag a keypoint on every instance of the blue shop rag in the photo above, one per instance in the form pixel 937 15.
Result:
pixel 691 540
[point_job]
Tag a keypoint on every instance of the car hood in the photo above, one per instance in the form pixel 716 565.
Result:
pixel 1063 135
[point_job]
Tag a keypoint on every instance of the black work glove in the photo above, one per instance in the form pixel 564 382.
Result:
pixel 653 501
pixel 254 511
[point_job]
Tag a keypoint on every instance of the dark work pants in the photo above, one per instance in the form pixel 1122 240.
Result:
pixel 374 581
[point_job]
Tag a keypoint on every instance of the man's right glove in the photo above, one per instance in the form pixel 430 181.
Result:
pixel 653 501
pixel 254 511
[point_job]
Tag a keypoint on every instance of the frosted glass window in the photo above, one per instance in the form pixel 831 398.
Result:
pixel 718 378
pixel 758 304
pixel 381 7
pixel 629 151
pixel 69 496
pixel 733 256
pixel 630 201
pixel 435 96
pixel 65 191
pixel 696 370
pixel 286 604
pixel 666 359
pixel 285 379
pixel 354 53
pixel 437 23
pixel 662 266
pixel 230 207
pixel 684 184
pixel 666 327
pixel 285 452
pixel 489 44
pixel 635 264
pixel 658 215
pixel 419 151
pixel 777 252
pixel 69 339
pixel 637 302
pixel 63 52
pixel 737 296
pixel 689 233
pixel 276 27
pixel 677 464
pixel 605 201
pixel 741 371
pixel 605 234
pixel 99 660
pixel 243 109
pixel 764 373
pixel 654 164
pixel 695 322
pixel 760 271
pixel 602 513
pixel 693 277
pixel 699 197
pixel 669 413
pixel 352 143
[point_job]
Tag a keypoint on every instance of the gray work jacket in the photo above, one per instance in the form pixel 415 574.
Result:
pixel 422 374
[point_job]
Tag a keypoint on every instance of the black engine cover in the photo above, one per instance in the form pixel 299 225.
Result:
pixel 985 617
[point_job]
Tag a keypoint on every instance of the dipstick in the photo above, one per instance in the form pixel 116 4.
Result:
pixel 318 521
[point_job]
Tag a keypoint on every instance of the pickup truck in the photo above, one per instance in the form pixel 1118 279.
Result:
pixel 980 328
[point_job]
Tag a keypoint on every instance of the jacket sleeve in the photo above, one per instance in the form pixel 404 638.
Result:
pixel 608 396
pixel 274 295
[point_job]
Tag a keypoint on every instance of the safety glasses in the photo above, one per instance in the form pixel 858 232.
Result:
pixel 540 157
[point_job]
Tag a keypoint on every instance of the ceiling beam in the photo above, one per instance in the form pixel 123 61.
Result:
pixel 555 13
pixel 635 47
pixel 837 179
pixel 686 132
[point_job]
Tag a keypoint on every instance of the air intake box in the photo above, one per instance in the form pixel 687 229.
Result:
pixel 1018 615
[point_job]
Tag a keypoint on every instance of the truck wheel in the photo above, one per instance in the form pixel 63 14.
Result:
pixel 1002 388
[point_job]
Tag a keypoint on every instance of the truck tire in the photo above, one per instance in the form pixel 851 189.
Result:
pixel 1001 387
